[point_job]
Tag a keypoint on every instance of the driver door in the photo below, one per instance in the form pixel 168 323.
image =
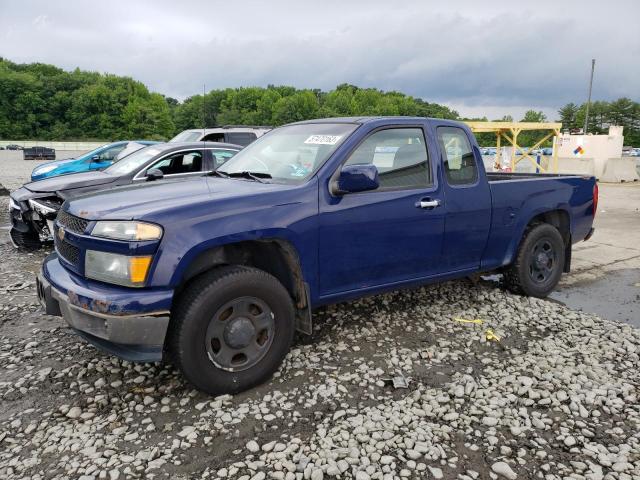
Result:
pixel 389 235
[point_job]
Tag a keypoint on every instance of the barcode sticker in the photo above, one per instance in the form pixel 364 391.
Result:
pixel 323 139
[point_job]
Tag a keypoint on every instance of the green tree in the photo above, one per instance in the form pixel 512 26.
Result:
pixel 528 138
pixel 568 115
pixel 299 106
pixel 148 118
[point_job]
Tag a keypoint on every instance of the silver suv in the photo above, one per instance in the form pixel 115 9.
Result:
pixel 236 134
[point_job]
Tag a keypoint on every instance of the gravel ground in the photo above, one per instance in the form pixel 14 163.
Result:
pixel 555 398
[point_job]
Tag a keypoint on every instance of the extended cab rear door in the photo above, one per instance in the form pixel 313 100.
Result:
pixel 389 235
pixel 468 198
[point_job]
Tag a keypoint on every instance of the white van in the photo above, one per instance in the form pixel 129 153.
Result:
pixel 236 134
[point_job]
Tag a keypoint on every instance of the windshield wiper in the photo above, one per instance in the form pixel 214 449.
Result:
pixel 257 176
pixel 219 174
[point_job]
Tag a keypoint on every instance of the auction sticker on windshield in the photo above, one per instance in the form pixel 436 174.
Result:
pixel 323 139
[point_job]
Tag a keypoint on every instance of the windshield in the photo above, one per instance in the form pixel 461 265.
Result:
pixel 134 161
pixel 187 136
pixel 290 154
pixel 128 150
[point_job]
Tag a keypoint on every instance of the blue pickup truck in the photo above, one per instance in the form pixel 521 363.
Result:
pixel 215 273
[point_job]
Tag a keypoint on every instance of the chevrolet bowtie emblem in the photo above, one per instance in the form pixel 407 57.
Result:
pixel 61 233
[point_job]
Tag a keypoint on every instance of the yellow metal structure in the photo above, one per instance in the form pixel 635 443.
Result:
pixel 510 132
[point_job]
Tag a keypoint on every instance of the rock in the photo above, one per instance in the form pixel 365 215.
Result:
pixel 503 469
pixel 490 421
pixel 74 412
pixel 253 446
pixel 436 472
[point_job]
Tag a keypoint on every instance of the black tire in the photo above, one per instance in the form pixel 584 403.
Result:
pixel 203 308
pixel 539 262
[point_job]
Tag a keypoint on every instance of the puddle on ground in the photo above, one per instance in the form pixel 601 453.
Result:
pixel 616 296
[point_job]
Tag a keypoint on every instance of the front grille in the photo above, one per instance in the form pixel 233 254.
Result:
pixel 71 222
pixel 67 251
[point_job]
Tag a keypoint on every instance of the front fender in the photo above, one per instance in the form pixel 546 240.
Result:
pixel 193 253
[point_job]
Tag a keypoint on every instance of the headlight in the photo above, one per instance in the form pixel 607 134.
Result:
pixel 115 268
pixel 13 204
pixel 44 169
pixel 131 231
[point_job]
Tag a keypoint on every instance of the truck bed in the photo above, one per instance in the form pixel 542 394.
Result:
pixel 516 198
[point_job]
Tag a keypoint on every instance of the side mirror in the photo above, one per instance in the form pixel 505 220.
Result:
pixel 95 158
pixel 356 178
pixel 154 174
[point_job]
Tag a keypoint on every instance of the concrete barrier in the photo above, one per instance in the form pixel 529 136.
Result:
pixel 621 169
pixel 576 165
pixel 72 146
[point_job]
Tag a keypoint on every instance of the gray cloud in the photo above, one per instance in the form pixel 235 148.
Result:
pixel 491 57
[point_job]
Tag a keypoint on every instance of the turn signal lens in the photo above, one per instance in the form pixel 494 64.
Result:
pixel 138 268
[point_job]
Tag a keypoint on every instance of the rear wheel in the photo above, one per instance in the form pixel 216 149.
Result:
pixel 539 262
pixel 231 329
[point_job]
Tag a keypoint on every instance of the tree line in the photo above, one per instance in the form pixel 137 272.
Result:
pixel 44 102
pixel 39 101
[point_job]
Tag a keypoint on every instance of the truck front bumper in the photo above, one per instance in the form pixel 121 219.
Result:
pixel 128 323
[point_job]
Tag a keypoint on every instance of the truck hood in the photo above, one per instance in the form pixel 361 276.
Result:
pixel 69 182
pixel 144 200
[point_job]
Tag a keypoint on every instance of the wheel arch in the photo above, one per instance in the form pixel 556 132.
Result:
pixel 560 219
pixel 276 256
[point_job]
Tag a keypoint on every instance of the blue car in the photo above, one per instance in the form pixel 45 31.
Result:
pixel 97 159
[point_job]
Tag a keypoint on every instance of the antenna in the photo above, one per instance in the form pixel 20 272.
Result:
pixel 586 116
pixel 204 118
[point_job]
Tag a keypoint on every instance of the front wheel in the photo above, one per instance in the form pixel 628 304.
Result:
pixel 231 329
pixel 539 262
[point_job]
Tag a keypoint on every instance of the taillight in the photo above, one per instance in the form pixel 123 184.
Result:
pixel 595 200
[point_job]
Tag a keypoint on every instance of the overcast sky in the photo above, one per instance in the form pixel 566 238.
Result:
pixel 480 57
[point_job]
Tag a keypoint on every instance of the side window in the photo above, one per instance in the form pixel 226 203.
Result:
pixel 459 163
pixel 241 138
pixel 110 153
pixel 400 154
pixel 221 156
pixel 214 137
pixel 182 162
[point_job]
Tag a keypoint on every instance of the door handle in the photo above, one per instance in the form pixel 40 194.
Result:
pixel 428 203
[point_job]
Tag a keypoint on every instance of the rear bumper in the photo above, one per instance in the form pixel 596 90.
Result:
pixel 590 234
pixel 131 324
